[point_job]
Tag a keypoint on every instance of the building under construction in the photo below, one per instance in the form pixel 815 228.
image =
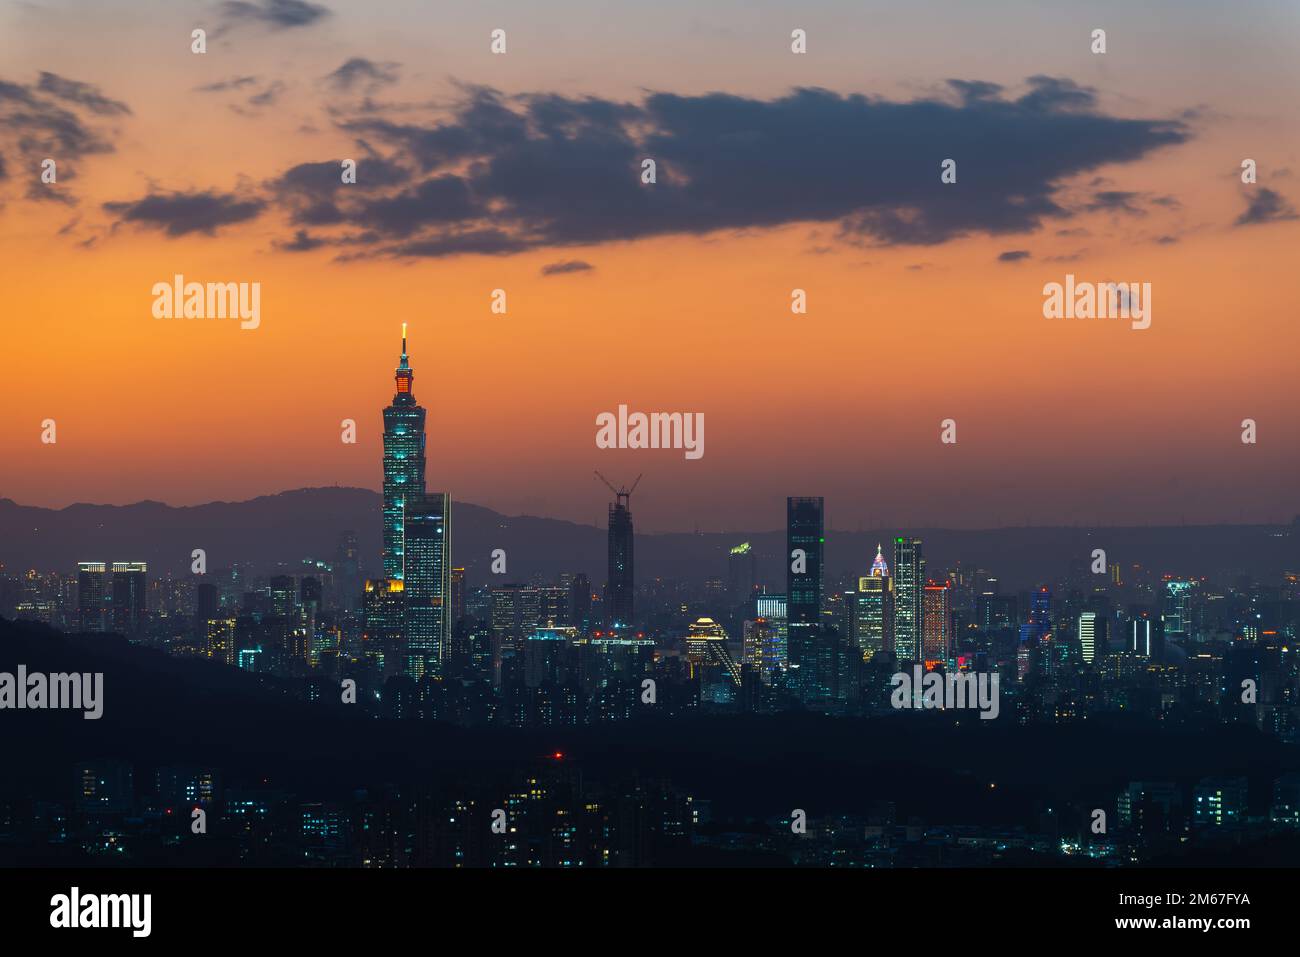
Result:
pixel 621 582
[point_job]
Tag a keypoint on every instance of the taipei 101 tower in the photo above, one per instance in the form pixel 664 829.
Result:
pixel 403 463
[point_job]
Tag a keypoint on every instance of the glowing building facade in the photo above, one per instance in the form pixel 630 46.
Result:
pixel 403 463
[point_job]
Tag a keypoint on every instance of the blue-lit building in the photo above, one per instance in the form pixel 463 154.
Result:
pixel 427 582
pixel 909 598
pixel 403 463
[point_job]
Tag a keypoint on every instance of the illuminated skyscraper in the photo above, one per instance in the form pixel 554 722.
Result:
pixel 772 608
pixel 909 584
pixel 383 605
pixel 403 463
pixel 706 647
pixel 1090 636
pixel 874 610
pixel 763 649
pixel 427 577
pixel 1176 611
pixel 936 622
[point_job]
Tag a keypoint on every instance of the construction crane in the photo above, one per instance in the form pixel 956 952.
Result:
pixel 621 495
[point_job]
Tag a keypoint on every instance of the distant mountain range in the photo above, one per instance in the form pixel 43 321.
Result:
pixel 281 530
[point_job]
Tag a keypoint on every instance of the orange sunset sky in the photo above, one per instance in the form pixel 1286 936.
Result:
pixel 478 171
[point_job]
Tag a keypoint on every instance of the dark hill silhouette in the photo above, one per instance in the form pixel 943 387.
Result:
pixel 160 710
pixel 283 529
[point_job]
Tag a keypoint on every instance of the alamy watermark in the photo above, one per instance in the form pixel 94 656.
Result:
pixel 1107 300
pixel 963 689
pixel 651 430
pixel 179 299
pixel 74 909
pixel 37 691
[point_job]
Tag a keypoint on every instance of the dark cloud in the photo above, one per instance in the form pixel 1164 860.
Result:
pixel 1049 94
pixel 1115 201
pixel 234 83
pixel 1013 256
pixel 268 96
pixel 179 214
pixel 489 242
pixel 54 118
pixel 360 72
pixel 314 179
pixel 972 91
pixel 302 242
pixel 83 94
pixel 277 14
pixel 566 266
pixel 17 93
pixel 1266 206
pixel 548 170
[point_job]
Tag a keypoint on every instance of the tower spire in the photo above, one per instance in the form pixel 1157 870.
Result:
pixel 879 568
pixel 404 376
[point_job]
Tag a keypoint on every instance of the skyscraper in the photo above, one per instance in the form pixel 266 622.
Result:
pixel 383 605
pixel 427 577
pixel 621 579
pixel 909 584
pixel 1090 637
pixel 936 622
pixel 91 593
pixel 347 571
pixel 403 462
pixel 874 610
pixel 804 543
pixel 130 613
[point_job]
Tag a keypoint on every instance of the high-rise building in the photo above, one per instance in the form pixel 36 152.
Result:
pixel 909 585
pixel 1219 802
pixel 805 541
pixel 457 595
pixel 580 602
pixel 706 647
pixel 403 463
pixel 1092 636
pixel 936 622
pixel 762 648
pixel 772 608
pixel 1144 636
pixel 347 571
pixel 130 603
pixel 1176 609
pixel 994 612
pixel 873 629
pixel 619 596
pixel 384 609
pixel 92 594
pixel 427 581
pixel 219 639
